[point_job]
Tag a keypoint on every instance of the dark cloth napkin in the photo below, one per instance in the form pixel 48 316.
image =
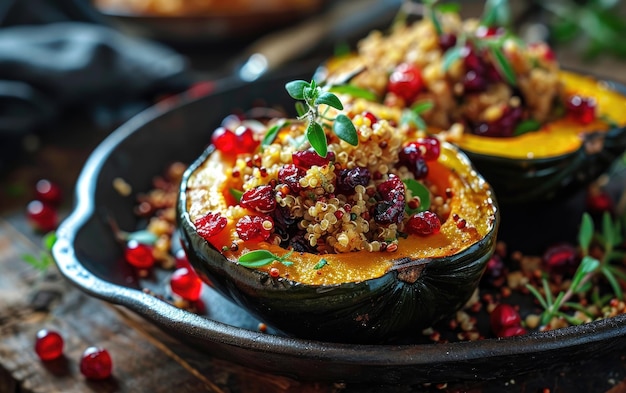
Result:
pixel 61 55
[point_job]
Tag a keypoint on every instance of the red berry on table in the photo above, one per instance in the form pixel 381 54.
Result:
pixel 48 192
pixel 406 82
pixel 511 331
pixel 186 284
pixel 42 217
pixel 139 255
pixel 96 363
pixel 49 345
pixel 181 259
pixel 503 318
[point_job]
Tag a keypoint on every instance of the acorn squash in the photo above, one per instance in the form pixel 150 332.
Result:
pixel 356 296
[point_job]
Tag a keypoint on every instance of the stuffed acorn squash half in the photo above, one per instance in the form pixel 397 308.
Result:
pixel 337 228
pixel 535 131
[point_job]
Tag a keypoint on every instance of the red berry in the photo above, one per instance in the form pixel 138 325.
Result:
pixel 373 119
pixel 447 41
pixel 257 228
pixel 290 175
pixel 429 146
pixel 42 217
pixel 48 192
pixel 139 255
pixel 406 81
pixel 561 259
pixel 181 259
pixel 599 202
pixel 581 109
pixel 423 224
pixel 305 159
pixel 224 140
pixel 495 272
pixel 504 316
pixel 245 140
pixel 210 225
pixel 260 199
pixel 186 284
pixel 511 331
pixel 49 345
pixel 489 31
pixel 96 363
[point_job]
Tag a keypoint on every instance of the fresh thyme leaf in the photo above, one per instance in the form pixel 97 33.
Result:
pixel 505 68
pixel 143 237
pixel 49 239
pixel 452 55
pixel 496 13
pixel 237 194
pixel 452 8
pixel 607 231
pixel 354 91
pixel 422 106
pixel 526 126
pixel 345 130
pixel 317 138
pixel 322 262
pixel 301 109
pixel 417 189
pixel 613 282
pixel 409 117
pixel 296 88
pixel 585 234
pixel 257 258
pixel 272 133
pixel 329 99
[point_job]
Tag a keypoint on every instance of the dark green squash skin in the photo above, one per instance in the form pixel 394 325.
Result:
pixel 410 297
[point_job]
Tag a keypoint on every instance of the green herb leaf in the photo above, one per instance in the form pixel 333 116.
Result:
pixel 143 237
pixel 503 65
pixel 496 13
pixel 296 88
pixel 322 262
pixel 422 106
pixel 354 91
pixel 317 138
pixel 607 231
pixel 272 133
pixel 237 194
pixel 301 109
pixel 449 8
pixel 257 258
pixel 329 99
pixel 49 239
pixel 615 285
pixel 526 126
pixel 417 189
pixel 345 130
pixel 409 118
pixel 585 234
pixel 453 54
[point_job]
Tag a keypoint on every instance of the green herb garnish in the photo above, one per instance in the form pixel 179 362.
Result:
pixel 259 258
pixel 44 260
pixel 313 96
pixel 417 190
pixel 322 262
pixel 526 126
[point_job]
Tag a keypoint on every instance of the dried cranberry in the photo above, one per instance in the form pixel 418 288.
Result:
pixel 581 109
pixel 139 255
pixel 504 316
pixel 489 31
pixel 495 272
pixel 96 363
pixel 423 224
pixel 472 62
pixel 406 82
pixel 290 175
pixel 503 127
pixel 257 228
pixel 473 82
pixel 261 199
pixel 348 179
pixel 411 157
pixel 186 284
pixel 210 225
pixel 431 147
pixel 599 202
pixel 49 345
pixel 447 41
pixel 391 208
pixel 561 259
pixel 307 158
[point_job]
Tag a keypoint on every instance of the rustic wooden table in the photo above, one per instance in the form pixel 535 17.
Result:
pixel 145 358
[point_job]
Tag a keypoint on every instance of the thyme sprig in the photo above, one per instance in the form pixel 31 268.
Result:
pixel 587 271
pixel 260 258
pixel 311 96
pixel 44 260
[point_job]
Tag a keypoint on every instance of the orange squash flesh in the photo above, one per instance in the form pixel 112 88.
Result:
pixel 471 202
